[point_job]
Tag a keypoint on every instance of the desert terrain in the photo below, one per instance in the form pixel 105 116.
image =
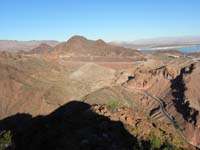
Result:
pixel 149 99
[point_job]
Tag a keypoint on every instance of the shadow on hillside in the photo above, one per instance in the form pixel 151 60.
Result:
pixel 73 126
pixel 189 114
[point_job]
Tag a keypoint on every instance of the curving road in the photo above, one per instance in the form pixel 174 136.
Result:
pixel 166 114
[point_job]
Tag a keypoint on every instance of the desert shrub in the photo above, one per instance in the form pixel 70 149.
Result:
pixel 113 105
pixel 155 141
pixel 5 140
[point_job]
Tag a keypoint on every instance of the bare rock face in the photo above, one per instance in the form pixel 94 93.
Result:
pixel 145 77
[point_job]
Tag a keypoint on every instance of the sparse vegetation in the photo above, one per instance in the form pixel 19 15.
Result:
pixel 5 140
pixel 155 141
pixel 113 105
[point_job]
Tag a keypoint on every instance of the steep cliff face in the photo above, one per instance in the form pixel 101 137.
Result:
pixel 177 87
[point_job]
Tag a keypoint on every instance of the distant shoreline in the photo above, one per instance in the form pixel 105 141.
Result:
pixel 188 48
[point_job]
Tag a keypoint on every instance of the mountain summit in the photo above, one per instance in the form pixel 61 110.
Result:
pixel 77 38
pixel 81 46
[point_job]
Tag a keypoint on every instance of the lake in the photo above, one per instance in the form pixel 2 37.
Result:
pixel 190 49
pixel 185 49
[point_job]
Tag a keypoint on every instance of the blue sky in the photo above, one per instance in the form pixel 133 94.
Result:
pixel 107 19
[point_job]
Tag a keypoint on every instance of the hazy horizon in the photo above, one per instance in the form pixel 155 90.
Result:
pixel 120 41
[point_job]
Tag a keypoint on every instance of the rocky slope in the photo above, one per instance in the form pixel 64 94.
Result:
pixel 195 54
pixel 41 49
pixel 43 84
pixel 174 82
pixel 177 87
pixel 80 46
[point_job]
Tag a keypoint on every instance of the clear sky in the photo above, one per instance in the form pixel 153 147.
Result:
pixel 107 19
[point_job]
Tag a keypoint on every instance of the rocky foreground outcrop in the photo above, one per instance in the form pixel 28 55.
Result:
pixel 80 126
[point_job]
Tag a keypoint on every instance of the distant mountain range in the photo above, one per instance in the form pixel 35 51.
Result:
pixel 12 45
pixel 160 42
